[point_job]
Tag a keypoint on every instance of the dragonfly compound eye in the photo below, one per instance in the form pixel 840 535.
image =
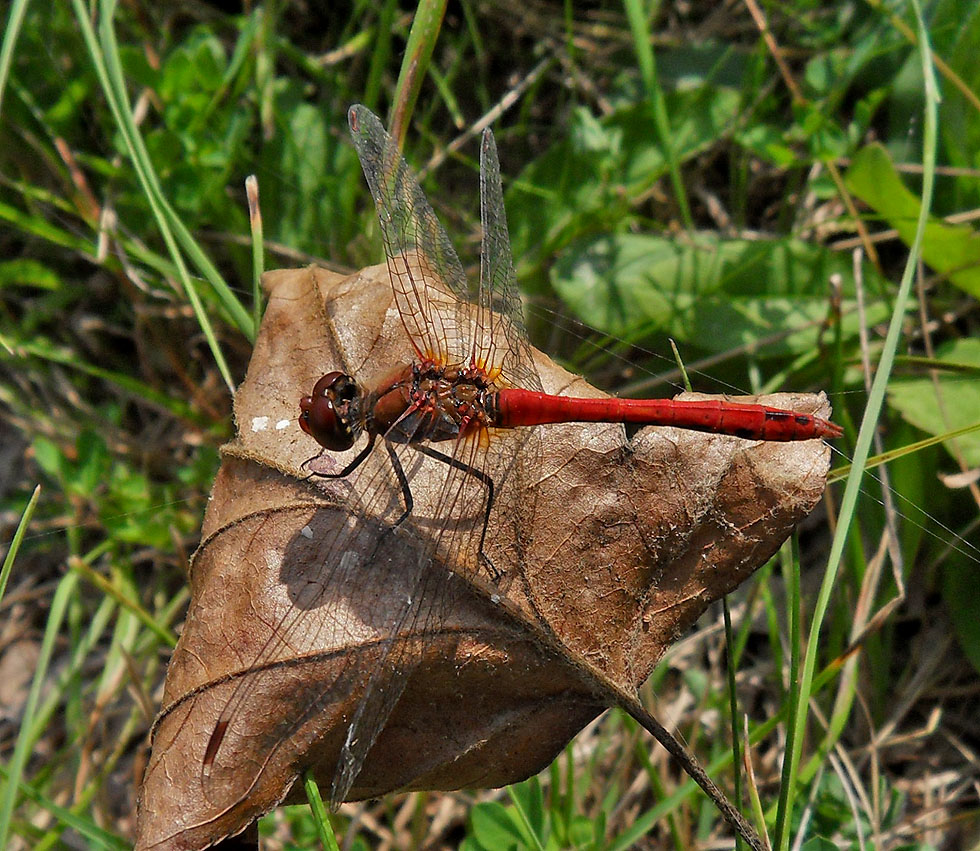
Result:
pixel 326 415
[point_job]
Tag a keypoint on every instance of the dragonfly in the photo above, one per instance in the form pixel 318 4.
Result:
pixel 461 414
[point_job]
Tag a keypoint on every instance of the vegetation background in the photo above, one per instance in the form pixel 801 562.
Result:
pixel 742 178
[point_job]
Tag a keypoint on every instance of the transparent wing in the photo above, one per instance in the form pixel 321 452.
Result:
pixel 503 339
pixel 426 275
pixel 492 335
pixel 381 590
pixel 380 597
pixel 360 578
pixel 448 517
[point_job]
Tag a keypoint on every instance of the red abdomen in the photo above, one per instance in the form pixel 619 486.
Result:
pixel 515 407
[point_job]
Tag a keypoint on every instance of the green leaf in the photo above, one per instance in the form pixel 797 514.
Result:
pixel 716 293
pixel 530 799
pixel 582 832
pixel 948 402
pixel 137 66
pixel 589 180
pixel 957 33
pixel 952 250
pixel 494 826
pixel 302 157
pixel 196 66
pixel 48 457
pixel 768 142
pixel 93 458
pixel 28 273
pixel 824 137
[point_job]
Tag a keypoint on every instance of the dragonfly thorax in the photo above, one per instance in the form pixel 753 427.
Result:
pixel 427 401
pixel 331 413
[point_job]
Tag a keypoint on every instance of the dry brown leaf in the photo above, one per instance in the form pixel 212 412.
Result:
pixel 630 542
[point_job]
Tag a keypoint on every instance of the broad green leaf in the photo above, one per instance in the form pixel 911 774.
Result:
pixel 768 142
pixel 137 67
pixel 493 826
pixel 948 402
pixel 63 112
pixel 710 291
pixel 531 800
pixel 824 137
pixel 582 832
pixel 196 66
pixel 953 250
pixel 589 180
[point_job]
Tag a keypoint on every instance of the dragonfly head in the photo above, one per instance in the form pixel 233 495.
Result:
pixel 329 414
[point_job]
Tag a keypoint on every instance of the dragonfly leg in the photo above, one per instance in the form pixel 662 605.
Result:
pixel 350 468
pixel 403 482
pixel 487 483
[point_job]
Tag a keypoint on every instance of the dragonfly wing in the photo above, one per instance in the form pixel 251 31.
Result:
pixel 371 600
pixel 426 275
pixel 327 626
pixel 503 342
pixel 371 542
pixel 448 519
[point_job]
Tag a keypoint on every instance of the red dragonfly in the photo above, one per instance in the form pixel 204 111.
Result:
pixel 466 380
pixel 472 389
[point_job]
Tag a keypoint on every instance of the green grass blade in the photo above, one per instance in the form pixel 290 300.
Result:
pixel 517 799
pixel 865 435
pixel 125 601
pixel 161 208
pixel 733 711
pixel 418 51
pixel 98 837
pixel 380 54
pixel 320 816
pixel 169 222
pixel 10 557
pixel 14 23
pixel 105 59
pixel 844 471
pixel 22 749
pixel 43 350
pixel 643 45
pixel 39 227
pixel 98 624
pixel 794 603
